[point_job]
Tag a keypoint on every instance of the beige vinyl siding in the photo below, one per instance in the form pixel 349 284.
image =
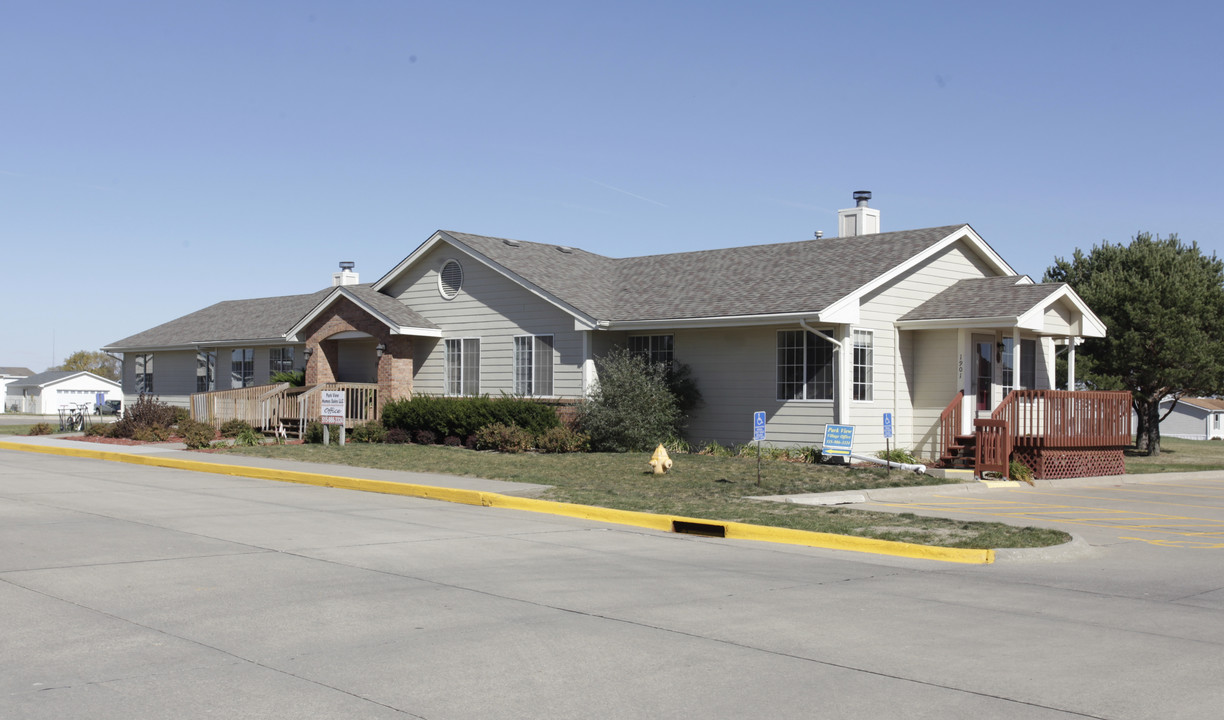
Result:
pixel 935 355
pixel 735 369
pixel 1058 320
pixel 877 312
pixel 494 309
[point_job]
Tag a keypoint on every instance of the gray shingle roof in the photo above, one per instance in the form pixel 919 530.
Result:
pixel 50 376
pixel 18 371
pixel 255 319
pixel 983 298
pixel 796 277
pixel 393 309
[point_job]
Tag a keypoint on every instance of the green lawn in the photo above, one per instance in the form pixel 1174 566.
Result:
pixel 1179 456
pixel 714 488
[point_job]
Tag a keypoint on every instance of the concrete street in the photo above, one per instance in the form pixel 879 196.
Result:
pixel 137 592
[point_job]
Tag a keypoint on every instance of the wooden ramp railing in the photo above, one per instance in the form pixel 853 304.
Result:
pixel 950 424
pixel 1067 419
pixel 267 407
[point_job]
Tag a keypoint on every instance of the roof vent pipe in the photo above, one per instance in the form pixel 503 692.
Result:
pixel 861 197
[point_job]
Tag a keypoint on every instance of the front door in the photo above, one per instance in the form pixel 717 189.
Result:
pixel 983 370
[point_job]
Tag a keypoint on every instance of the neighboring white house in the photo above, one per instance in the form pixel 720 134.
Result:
pixel 1193 419
pixel 45 393
pixel 834 330
pixel 8 375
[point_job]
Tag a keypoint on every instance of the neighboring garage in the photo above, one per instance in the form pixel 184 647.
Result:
pixel 45 393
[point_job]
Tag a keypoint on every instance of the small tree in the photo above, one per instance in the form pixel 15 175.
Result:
pixel 632 408
pixel 98 363
pixel 1163 305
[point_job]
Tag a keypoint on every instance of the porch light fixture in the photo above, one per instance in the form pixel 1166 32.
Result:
pixel 307 353
pixel 380 349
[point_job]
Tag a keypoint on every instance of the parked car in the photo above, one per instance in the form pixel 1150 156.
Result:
pixel 110 407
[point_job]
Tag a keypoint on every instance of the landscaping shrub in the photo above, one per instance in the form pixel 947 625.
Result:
pixel 98 430
pixel 296 378
pixel 452 441
pixel 424 437
pixel 314 432
pixel 397 436
pixel 370 432
pixel 561 440
pixel 249 437
pixel 151 433
pixel 504 438
pixel 41 428
pixel 234 428
pixel 1020 471
pixel 179 414
pixel 897 455
pixel 146 412
pixel 197 435
pixel 632 408
pixel 463 416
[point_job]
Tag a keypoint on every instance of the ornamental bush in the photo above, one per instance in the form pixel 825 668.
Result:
pixel 504 438
pixel 234 428
pixel 462 416
pixel 561 440
pixel 197 435
pixel 632 409
pixel 370 432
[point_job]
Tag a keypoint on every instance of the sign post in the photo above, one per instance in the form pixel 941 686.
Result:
pixel 758 436
pixel 839 440
pixel 888 433
pixel 332 413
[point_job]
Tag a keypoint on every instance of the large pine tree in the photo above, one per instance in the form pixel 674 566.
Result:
pixel 1162 302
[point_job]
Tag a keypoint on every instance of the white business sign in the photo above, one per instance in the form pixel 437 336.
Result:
pixel 332 412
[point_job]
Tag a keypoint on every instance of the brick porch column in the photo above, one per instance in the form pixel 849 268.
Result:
pixel 394 370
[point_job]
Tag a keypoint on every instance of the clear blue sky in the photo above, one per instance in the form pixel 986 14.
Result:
pixel 158 157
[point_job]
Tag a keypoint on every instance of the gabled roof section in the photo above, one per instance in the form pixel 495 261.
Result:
pixel 259 319
pixel 16 371
pixel 1003 301
pixel 1211 404
pixel 752 282
pixel 52 377
pixel 401 319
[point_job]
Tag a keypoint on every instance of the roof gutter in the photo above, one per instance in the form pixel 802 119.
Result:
pixel 803 324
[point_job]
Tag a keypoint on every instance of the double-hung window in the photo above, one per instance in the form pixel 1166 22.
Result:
pixel 657 349
pixel 533 365
pixel 1009 365
pixel 280 360
pixel 463 366
pixel 206 370
pixel 242 367
pixel 864 365
pixel 805 369
pixel 143 364
pixel 1028 364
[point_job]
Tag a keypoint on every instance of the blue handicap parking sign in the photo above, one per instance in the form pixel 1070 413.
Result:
pixel 888 425
pixel 758 425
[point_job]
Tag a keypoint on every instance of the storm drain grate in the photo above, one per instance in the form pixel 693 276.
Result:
pixel 695 528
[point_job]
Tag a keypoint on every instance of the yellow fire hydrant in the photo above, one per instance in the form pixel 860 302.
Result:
pixel 660 462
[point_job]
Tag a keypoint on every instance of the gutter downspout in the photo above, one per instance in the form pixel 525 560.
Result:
pixel 836 343
pixel 841 403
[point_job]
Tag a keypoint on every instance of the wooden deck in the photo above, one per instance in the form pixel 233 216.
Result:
pixel 271 407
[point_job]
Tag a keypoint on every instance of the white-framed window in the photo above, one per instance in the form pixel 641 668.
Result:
pixel 463 366
pixel 1008 365
pixel 450 279
pixel 206 370
pixel 1215 419
pixel 533 365
pixel 655 348
pixel 280 360
pixel 863 386
pixel 806 370
pixel 242 367
pixel 1028 364
pixel 143 364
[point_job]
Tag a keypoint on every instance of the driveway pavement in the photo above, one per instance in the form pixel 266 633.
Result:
pixel 134 591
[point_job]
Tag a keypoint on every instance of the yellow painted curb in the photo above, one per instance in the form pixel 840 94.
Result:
pixel 665 523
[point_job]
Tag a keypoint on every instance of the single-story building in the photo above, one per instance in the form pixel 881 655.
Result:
pixel 8 375
pixel 931 326
pixel 45 393
pixel 1193 418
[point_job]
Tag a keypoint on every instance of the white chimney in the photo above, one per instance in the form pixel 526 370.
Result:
pixel 346 276
pixel 860 219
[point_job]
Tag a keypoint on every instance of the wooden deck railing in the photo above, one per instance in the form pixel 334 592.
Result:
pixel 360 403
pixel 950 424
pixel 993 448
pixel 1065 419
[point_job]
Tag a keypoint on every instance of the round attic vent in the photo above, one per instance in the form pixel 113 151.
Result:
pixel 450 279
